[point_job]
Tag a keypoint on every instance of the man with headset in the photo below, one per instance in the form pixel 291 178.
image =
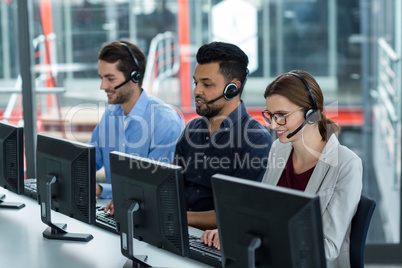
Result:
pixel 225 139
pixel 133 123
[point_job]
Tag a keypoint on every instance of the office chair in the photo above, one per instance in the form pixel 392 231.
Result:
pixel 358 234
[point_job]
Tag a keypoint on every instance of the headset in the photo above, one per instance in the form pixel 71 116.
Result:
pixel 135 75
pixel 231 90
pixel 311 116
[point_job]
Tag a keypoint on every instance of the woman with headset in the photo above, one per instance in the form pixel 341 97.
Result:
pixel 307 156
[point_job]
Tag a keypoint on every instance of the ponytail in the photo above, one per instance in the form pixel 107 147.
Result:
pixel 327 127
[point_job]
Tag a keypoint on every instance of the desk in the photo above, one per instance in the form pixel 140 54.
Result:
pixel 22 243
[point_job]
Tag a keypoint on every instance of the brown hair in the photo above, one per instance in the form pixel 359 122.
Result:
pixel 294 89
pixel 115 51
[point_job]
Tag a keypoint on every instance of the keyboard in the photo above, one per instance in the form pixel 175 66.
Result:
pixel 30 188
pixel 203 253
pixel 198 250
pixel 104 220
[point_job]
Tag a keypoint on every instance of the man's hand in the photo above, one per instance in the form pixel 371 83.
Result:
pixel 211 238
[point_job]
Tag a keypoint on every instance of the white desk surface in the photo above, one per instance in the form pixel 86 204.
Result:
pixel 22 243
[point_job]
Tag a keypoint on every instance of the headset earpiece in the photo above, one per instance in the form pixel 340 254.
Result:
pixel 135 76
pixel 231 90
pixel 308 113
pixel 312 116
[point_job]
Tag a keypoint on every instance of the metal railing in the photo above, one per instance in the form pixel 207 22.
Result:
pixel 13 111
pixel 388 105
pixel 163 61
pixel 387 137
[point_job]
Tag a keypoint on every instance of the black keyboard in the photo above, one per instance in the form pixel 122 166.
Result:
pixel 30 188
pixel 104 220
pixel 203 253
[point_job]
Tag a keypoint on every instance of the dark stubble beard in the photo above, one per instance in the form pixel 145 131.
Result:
pixel 209 111
pixel 123 96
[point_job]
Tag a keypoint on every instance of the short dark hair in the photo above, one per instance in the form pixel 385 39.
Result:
pixel 115 51
pixel 232 60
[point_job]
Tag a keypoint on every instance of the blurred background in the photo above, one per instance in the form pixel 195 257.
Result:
pixel 49 80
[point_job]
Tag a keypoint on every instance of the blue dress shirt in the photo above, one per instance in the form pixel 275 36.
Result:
pixel 239 148
pixel 150 130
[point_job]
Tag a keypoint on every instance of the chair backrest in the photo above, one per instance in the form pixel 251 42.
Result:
pixel 358 234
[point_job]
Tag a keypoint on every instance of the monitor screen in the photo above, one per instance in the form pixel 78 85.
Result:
pixel 149 203
pixel 65 183
pixel 11 161
pixel 262 225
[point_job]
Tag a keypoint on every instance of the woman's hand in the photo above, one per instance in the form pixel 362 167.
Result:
pixel 110 207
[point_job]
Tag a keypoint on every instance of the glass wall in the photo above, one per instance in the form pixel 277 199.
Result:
pixel 385 29
pixel 324 37
pixel 9 67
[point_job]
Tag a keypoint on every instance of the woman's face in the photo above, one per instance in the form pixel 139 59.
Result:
pixel 279 106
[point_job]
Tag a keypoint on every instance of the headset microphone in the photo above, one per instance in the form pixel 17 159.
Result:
pixel 122 84
pixel 311 119
pixel 218 98
pixel 297 130
pixel 231 90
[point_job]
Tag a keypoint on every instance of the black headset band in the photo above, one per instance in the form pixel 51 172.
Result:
pixel 132 54
pixel 308 87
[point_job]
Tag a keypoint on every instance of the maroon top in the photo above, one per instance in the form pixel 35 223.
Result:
pixel 294 181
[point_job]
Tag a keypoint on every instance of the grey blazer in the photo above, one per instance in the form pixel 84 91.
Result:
pixel 337 180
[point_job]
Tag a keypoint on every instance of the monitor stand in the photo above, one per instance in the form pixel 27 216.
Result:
pixel 248 245
pixel 137 261
pixel 11 205
pixel 56 230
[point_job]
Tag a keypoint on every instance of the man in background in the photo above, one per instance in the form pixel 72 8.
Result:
pixel 133 123
pixel 225 139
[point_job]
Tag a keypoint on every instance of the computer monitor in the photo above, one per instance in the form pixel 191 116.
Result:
pixel 11 162
pixel 65 183
pixel 149 205
pixel 262 225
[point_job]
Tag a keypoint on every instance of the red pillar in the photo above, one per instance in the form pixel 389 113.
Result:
pixel 184 42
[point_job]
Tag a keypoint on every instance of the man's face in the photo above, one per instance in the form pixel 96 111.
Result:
pixel 111 77
pixel 209 84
